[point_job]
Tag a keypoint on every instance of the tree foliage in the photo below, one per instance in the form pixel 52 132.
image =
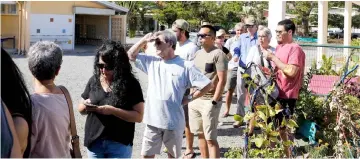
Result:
pixel 302 10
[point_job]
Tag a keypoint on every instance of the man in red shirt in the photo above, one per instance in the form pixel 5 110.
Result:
pixel 289 62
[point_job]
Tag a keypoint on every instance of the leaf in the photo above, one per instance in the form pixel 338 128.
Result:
pixel 248 116
pixel 258 142
pixel 260 125
pixel 261 107
pixel 292 124
pixel 245 75
pixel 283 122
pixel 277 106
pixel 271 111
pixel 274 133
pixel 261 115
pixel 278 111
pixel 288 143
pixel 274 139
pixel 238 118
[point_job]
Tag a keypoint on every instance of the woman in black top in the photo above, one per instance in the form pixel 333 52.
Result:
pixel 17 99
pixel 113 102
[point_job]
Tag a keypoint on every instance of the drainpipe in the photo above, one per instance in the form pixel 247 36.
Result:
pixel 20 13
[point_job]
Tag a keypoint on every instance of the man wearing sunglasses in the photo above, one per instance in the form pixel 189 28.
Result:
pixel 247 40
pixel 204 112
pixel 168 78
pixel 289 60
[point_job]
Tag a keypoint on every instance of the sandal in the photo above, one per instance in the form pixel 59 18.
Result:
pixel 193 155
pixel 226 115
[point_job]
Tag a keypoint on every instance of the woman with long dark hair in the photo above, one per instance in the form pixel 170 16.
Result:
pixel 113 102
pixel 17 99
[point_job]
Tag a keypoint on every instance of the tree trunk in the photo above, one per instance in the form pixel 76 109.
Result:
pixel 305 24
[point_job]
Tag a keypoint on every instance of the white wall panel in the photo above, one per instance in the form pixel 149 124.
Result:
pixel 61 29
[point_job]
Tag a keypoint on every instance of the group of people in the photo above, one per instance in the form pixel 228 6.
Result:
pixel 184 94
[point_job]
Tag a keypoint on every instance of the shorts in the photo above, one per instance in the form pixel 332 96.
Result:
pixel 287 113
pixel 204 117
pixel 154 137
pixel 231 79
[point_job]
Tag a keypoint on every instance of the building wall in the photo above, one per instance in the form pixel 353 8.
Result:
pixel 61 7
pixel 10 28
pixel 52 27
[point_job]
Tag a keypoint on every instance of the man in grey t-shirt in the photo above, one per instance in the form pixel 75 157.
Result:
pixel 169 76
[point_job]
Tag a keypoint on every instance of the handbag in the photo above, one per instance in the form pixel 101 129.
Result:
pixel 75 150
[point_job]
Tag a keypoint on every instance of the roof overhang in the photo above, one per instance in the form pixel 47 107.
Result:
pixel 114 6
pixel 356 2
pixel 93 11
pixel 8 2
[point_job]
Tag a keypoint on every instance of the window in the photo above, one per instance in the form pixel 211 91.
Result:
pixel 8 9
pixel 2 8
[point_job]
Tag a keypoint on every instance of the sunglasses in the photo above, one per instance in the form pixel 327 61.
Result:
pixel 220 37
pixel 249 26
pixel 203 35
pixel 107 67
pixel 157 41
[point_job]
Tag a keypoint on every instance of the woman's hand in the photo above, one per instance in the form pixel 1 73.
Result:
pixel 104 109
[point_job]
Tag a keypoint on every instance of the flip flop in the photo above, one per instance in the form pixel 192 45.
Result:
pixel 225 115
pixel 193 155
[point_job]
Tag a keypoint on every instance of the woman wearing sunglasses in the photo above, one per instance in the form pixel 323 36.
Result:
pixel 113 102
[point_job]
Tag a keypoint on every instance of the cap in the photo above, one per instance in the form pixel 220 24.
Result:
pixel 220 32
pixel 181 24
pixel 250 21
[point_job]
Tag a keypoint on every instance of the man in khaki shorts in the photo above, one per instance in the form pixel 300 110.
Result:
pixel 168 76
pixel 204 112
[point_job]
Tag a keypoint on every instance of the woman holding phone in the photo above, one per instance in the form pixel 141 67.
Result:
pixel 113 102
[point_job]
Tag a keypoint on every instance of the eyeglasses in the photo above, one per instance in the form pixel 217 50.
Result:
pixel 107 67
pixel 203 35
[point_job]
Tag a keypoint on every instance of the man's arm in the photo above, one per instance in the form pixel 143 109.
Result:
pixel 220 85
pixel 134 50
pixel 290 70
pixel 221 67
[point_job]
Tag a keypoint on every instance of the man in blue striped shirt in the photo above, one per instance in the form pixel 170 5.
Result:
pixel 247 40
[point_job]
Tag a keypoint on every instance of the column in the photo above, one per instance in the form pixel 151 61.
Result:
pixel 109 27
pixel 322 30
pixel 347 27
pixel 276 13
pixel 156 25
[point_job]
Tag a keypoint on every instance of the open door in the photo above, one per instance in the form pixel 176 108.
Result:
pixel 118 28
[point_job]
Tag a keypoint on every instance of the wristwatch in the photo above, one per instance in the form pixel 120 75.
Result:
pixel 190 97
pixel 214 102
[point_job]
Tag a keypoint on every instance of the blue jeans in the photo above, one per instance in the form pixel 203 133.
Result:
pixel 109 149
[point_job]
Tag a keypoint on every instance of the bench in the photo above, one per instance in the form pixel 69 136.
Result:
pixel 8 38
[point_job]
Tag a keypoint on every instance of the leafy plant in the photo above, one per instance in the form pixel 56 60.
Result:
pixel 267 142
pixel 234 152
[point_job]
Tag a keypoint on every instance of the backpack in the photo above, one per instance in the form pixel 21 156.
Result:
pixel 261 80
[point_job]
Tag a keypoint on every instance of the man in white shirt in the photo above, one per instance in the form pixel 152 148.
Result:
pixel 169 76
pixel 186 49
pixel 231 44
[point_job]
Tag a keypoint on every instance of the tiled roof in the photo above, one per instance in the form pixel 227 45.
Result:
pixel 322 84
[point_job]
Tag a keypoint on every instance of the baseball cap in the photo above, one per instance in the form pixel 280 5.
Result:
pixel 220 32
pixel 250 20
pixel 181 24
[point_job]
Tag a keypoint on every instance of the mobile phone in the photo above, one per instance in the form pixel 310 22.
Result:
pixel 90 105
